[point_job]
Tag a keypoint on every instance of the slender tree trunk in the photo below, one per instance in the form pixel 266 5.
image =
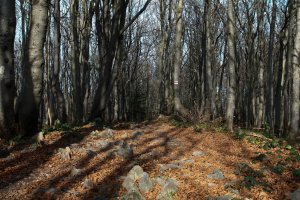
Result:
pixel 31 93
pixel 55 87
pixel 270 88
pixel 231 67
pixel 210 93
pixel 7 74
pixel 296 79
pixel 178 60
pixel 77 111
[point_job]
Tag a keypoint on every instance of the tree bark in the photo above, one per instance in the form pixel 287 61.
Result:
pixel 296 78
pixel 31 93
pixel 178 60
pixel 231 67
pixel 7 74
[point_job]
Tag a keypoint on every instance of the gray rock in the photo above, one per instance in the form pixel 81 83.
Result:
pixel 145 183
pixel 51 191
pixel 211 185
pixel 187 161
pixel 106 134
pixel 234 191
pixel 129 184
pixel 295 195
pixel 137 134
pixel 226 197
pixel 133 195
pixel 103 144
pixel 165 167
pixel 65 154
pixel 136 173
pixel 217 175
pixel 88 184
pixel 231 184
pixel 199 153
pixel 75 171
pixel 168 191
pixel 125 150
pixel 161 181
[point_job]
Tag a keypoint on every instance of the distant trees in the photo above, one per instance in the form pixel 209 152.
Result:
pixel 7 73
pixel 106 60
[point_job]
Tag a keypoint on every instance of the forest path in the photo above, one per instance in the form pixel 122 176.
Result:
pixel 91 164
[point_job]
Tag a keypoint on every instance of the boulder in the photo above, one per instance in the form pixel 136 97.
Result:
pixel 165 167
pixel 295 195
pixel 129 184
pixel 136 173
pixel 216 175
pixel 125 150
pixel 198 153
pixel 168 191
pixel 75 171
pixel 145 183
pixel 133 195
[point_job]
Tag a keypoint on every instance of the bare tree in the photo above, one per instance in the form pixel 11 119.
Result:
pixel 7 75
pixel 31 94
pixel 296 78
pixel 231 66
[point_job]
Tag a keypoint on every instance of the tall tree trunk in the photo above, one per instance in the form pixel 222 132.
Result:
pixel 77 111
pixel 210 93
pixel 231 67
pixel 270 88
pixel 7 74
pixel 55 87
pixel 178 60
pixel 296 79
pixel 31 94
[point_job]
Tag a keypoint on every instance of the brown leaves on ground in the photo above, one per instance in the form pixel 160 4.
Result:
pixel 29 173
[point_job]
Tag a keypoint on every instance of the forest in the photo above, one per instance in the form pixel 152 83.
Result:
pixel 92 90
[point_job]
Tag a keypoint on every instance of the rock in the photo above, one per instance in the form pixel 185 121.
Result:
pixel 166 167
pixel 145 183
pixel 234 191
pixel 295 195
pixel 125 150
pixel 187 161
pixel 136 173
pixel 161 181
pixel 88 184
pixel 133 195
pixel 217 175
pixel 103 144
pixel 226 197
pixel 231 184
pixel 106 133
pixel 51 191
pixel 129 184
pixel 137 134
pixel 211 185
pixel 65 154
pixel 168 191
pixel 75 171
pixel 198 153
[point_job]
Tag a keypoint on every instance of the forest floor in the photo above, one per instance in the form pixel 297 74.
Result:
pixel 209 164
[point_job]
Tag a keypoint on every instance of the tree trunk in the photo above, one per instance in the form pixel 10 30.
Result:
pixel 270 89
pixel 31 94
pixel 231 67
pixel 178 60
pixel 296 79
pixel 7 74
